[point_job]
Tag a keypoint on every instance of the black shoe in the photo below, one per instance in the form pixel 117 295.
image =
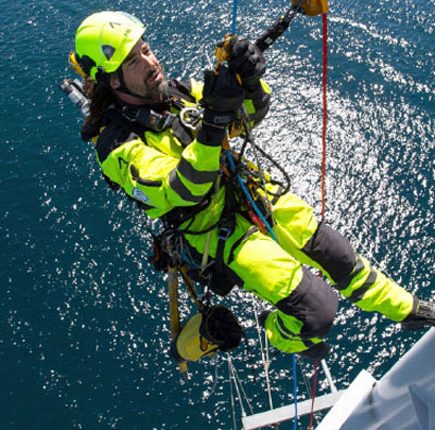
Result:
pixel 423 315
pixel 317 352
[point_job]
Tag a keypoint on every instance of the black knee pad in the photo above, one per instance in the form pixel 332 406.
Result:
pixel 332 251
pixel 314 303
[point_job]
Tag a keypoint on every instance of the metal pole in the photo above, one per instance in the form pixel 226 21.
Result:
pixel 328 376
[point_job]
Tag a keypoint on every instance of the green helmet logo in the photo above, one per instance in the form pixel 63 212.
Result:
pixel 104 39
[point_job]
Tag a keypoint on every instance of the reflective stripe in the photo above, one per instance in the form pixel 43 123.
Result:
pixel 344 283
pixel 358 294
pixel 288 334
pixel 176 184
pixel 146 182
pixel 195 176
pixel 238 242
pixel 285 332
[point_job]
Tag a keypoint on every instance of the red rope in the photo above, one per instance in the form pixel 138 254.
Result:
pixel 324 130
pixel 325 110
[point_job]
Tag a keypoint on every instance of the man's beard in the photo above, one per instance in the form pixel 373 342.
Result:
pixel 155 90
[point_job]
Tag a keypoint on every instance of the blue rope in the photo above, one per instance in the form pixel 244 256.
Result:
pixel 295 391
pixel 269 229
pixel 249 197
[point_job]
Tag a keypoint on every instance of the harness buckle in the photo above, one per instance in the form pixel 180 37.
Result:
pixel 224 232
pixel 190 116
pixel 149 118
pixel 127 114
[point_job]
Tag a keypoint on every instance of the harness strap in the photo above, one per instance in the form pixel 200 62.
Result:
pixel 226 227
pixel 225 230
pixel 148 118
pixel 179 215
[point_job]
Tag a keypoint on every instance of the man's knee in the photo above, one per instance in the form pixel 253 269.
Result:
pixel 332 251
pixel 314 303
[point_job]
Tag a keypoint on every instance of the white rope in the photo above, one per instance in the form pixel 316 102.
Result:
pixel 306 382
pixel 233 406
pixel 232 376
pixel 216 377
pixel 328 376
pixel 251 410
pixel 369 253
pixel 210 63
pixel 264 358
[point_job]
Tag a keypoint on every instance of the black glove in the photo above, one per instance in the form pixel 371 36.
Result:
pixel 248 62
pixel 222 97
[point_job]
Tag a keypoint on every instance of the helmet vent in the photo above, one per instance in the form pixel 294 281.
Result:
pixel 108 51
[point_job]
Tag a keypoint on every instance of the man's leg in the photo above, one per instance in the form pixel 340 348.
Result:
pixel 322 247
pixel 305 304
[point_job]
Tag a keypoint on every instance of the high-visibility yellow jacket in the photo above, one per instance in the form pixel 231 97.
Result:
pixel 175 168
pixel 159 170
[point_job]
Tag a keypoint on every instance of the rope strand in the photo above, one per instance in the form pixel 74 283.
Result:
pixel 325 109
pixel 313 393
pixel 234 24
pixel 323 174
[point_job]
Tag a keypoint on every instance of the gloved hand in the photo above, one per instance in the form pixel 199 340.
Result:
pixel 222 97
pixel 248 62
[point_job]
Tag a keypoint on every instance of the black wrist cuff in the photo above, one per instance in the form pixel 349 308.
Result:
pixel 218 119
pixel 211 135
pixel 251 85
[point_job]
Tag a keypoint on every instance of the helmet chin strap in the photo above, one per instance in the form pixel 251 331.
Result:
pixel 123 87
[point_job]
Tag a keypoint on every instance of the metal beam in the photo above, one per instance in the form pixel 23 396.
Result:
pixel 286 413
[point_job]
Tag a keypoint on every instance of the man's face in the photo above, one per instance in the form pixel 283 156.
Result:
pixel 142 72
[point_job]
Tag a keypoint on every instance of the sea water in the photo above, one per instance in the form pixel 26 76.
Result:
pixel 84 317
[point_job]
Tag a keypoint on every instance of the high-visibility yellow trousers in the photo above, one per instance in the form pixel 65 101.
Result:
pixel 305 304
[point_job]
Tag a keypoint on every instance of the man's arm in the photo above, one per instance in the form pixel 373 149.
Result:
pixel 160 181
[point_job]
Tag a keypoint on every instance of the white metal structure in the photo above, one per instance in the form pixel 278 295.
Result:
pixel 403 399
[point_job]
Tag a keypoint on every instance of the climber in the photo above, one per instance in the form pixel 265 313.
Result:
pixel 160 141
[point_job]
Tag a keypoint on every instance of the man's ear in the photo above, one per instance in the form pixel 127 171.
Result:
pixel 115 83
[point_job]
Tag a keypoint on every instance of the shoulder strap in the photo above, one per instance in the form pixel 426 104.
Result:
pixel 132 122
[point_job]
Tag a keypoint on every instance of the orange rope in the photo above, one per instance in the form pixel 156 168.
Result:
pixel 324 130
pixel 325 110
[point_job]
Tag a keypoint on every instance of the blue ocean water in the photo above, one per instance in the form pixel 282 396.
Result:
pixel 84 325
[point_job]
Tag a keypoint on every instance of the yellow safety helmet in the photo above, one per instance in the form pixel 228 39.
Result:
pixel 103 41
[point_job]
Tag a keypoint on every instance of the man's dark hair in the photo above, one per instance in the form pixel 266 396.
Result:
pixel 101 96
